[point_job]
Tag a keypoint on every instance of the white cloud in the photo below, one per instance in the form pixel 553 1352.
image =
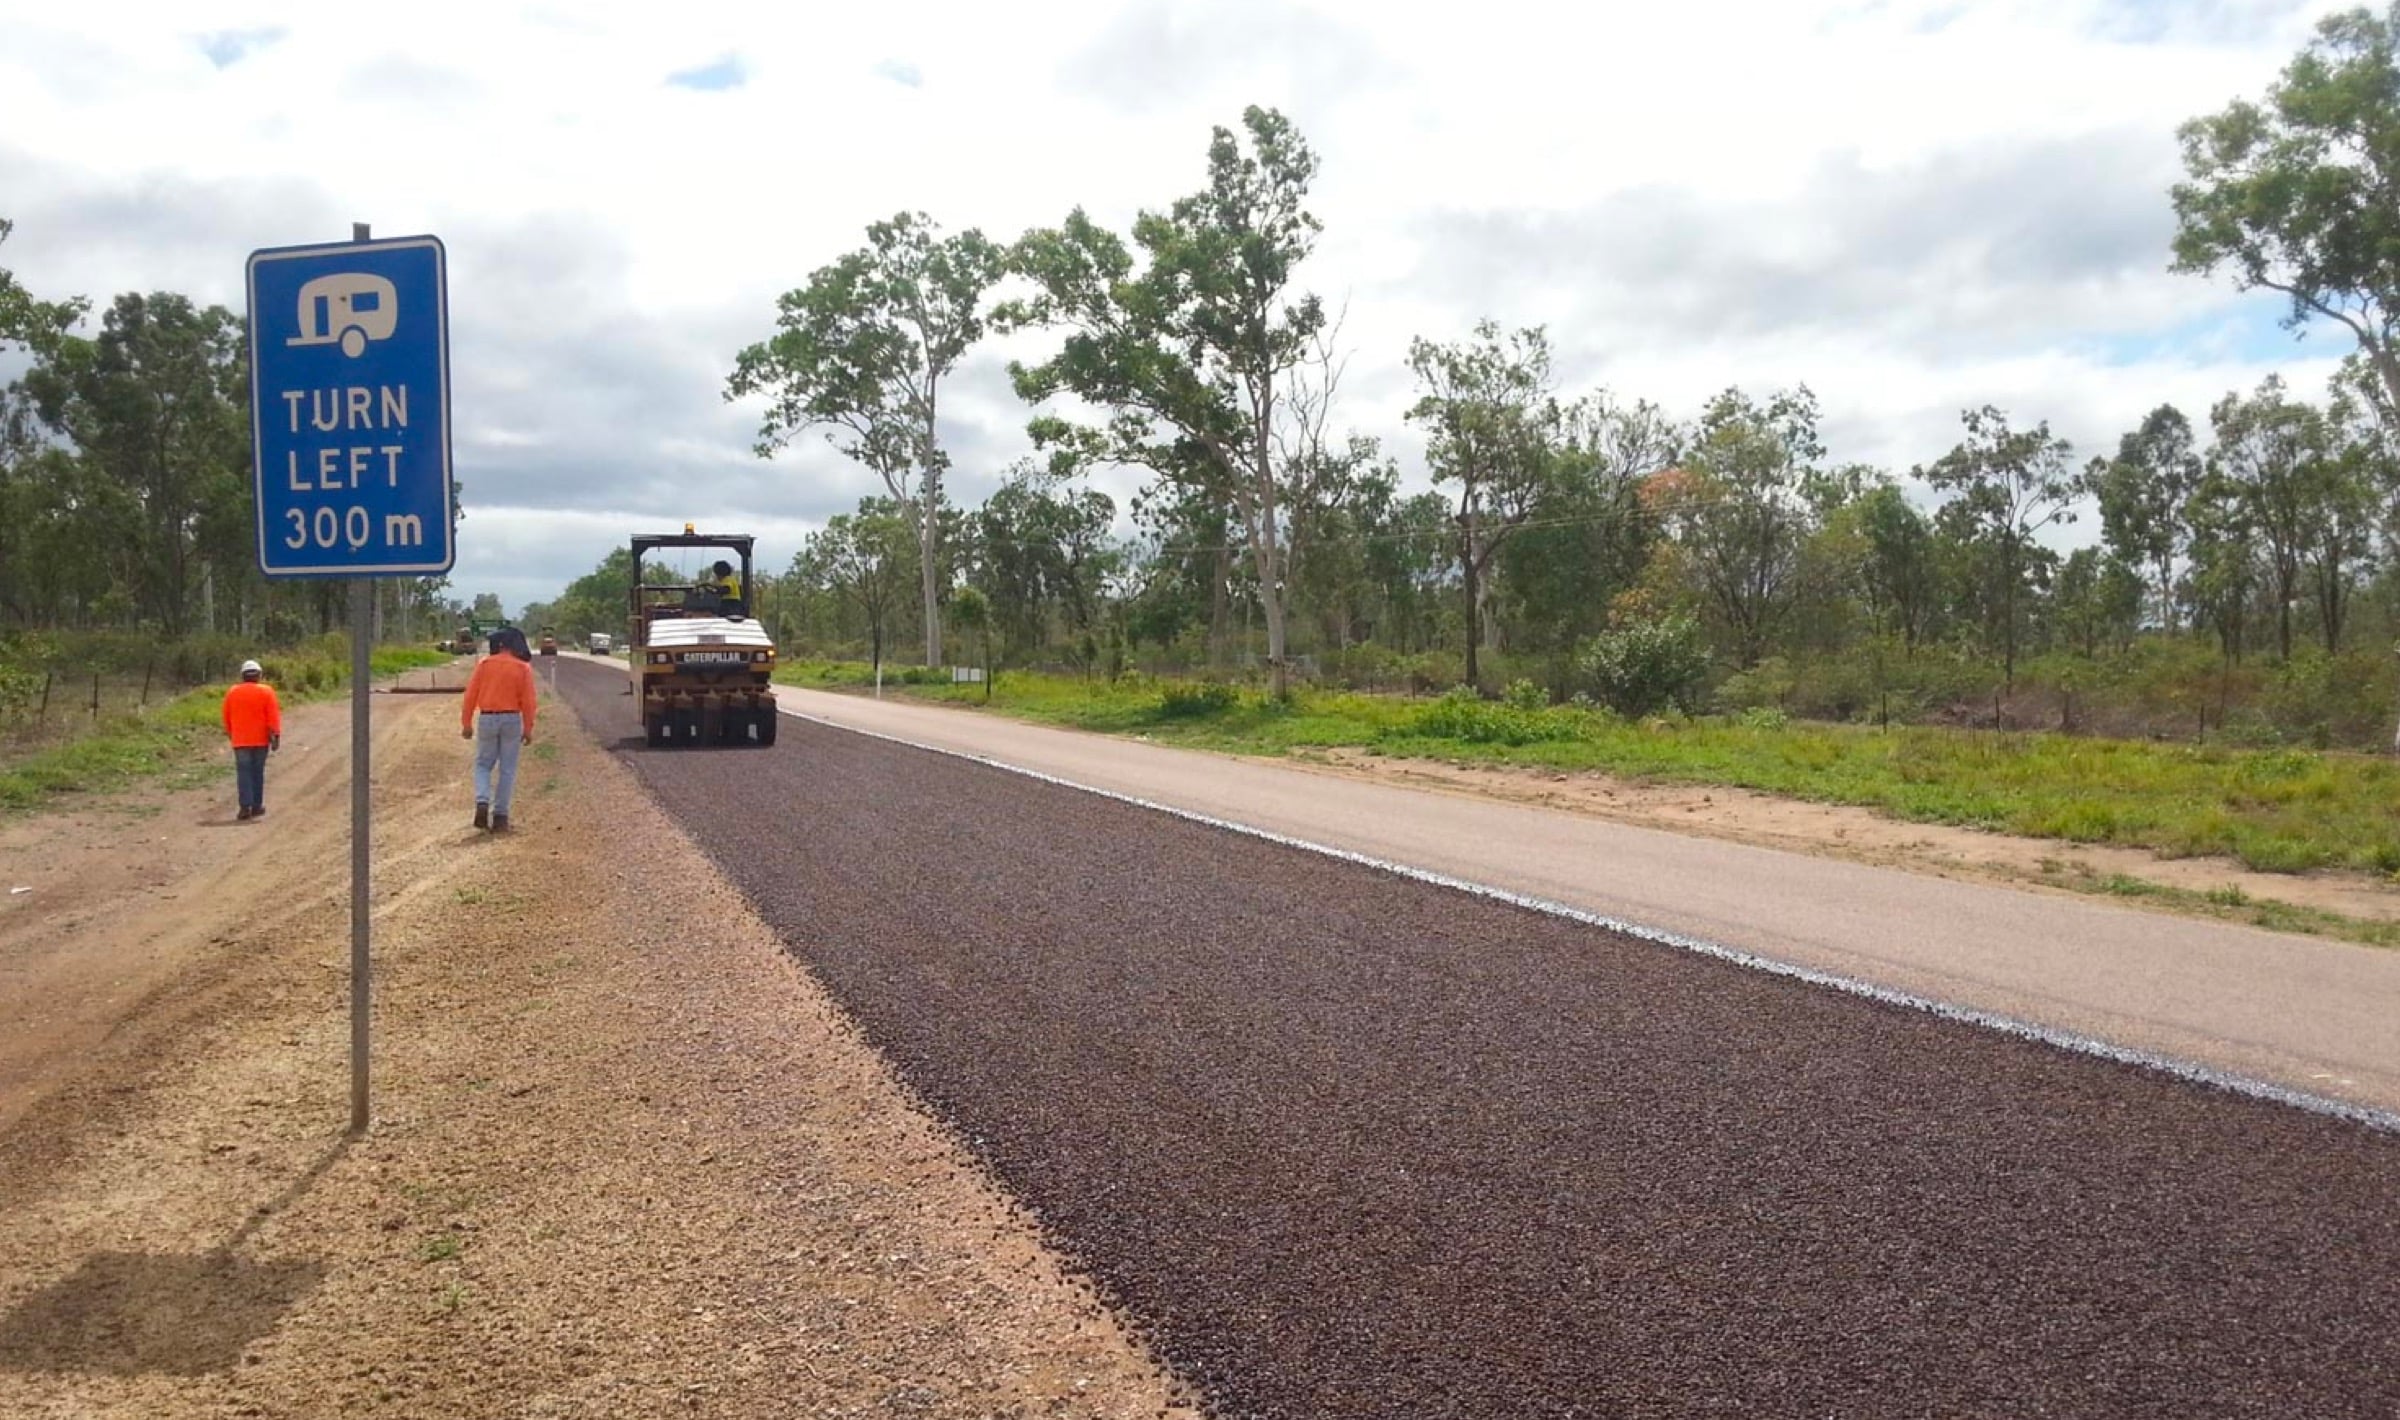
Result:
pixel 1914 205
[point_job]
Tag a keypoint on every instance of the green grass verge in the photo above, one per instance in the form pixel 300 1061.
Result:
pixel 2280 811
pixel 173 737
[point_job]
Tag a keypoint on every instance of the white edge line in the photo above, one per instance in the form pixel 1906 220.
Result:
pixel 2187 1070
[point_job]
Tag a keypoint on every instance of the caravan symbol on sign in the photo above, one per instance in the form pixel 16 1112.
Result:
pixel 350 408
pixel 348 308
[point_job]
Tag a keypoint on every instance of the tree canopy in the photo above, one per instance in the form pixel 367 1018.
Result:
pixel 2300 194
pixel 861 352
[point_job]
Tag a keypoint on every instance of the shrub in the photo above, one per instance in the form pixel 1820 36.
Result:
pixel 1767 684
pixel 1525 695
pixel 1193 700
pixel 1462 715
pixel 2322 700
pixel 1647 667
pixel 20 673
pixel 1764 717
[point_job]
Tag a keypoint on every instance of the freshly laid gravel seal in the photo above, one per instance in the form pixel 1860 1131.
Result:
pixel 1351 1145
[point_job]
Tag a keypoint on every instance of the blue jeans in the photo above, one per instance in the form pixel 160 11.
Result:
pixel 250 776
pixel 498 738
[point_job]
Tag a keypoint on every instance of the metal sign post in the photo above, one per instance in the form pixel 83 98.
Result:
pixel 350 452
pixel 362 632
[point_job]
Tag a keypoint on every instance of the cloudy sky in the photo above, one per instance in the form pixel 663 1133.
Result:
pixel 1912 205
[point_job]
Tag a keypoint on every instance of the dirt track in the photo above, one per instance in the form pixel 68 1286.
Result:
pixel 1355 1146
pixel 627 1160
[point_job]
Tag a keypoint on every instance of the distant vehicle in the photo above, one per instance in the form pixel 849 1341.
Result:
pixel 549 642
pixel 703 668
pixel 463 644
pixel 348 308
pixel 601 645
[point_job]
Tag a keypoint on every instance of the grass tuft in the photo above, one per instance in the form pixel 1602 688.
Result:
pixel 442 1247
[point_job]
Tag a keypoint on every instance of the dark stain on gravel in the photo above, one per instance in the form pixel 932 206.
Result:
pixel 1353 1146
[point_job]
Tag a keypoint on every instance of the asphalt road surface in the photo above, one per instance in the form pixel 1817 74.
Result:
pixel 2307 1013
pixel 1350 1145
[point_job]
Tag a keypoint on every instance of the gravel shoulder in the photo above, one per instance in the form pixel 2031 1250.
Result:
pixel 628 1160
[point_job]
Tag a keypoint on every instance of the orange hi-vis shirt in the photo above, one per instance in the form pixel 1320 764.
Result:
pixel 500 682
pixel 252 715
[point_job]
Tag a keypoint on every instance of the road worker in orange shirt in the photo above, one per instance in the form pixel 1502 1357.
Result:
pixel 254 723
pixel 497 714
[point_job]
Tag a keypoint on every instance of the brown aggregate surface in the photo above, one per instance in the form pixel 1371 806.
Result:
pixel 627 1160
pixel 1350 1145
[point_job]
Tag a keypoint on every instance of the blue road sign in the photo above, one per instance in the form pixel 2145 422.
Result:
pixel 350 408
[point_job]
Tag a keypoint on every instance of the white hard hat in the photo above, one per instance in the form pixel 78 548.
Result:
pixel 252 668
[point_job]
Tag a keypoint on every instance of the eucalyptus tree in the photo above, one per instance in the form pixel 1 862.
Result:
pixel 861 352
pixel 1491 422
pixel 1742 512
pixel 2272 456
pixel 1902 567
pixel 2142 492
pixel 863 558
pixel 2007 485
pixel 1190 351
pixel 2296 194
pixel 154 408
pixel 1589 535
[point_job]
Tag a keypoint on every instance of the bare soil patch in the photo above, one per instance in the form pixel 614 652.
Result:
pixel 627 1161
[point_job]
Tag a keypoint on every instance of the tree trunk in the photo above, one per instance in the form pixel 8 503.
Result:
pixel 1220 606
pixel 1279 672
pixel 2285 586
pixel 1262 540
pixel 929 546
pixel 1270 599
pixel 2008 620
pixel 2331 604
pixel 2387 365
pixel 1472 578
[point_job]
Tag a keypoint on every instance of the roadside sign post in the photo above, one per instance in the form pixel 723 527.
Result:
pixel 350 455
pixel 362 636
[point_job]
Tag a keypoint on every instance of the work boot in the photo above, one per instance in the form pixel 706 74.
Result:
pixel 483 815
pixel 245 813
pixel 499 823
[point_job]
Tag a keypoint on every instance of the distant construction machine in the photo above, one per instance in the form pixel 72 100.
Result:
pixel 703 668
